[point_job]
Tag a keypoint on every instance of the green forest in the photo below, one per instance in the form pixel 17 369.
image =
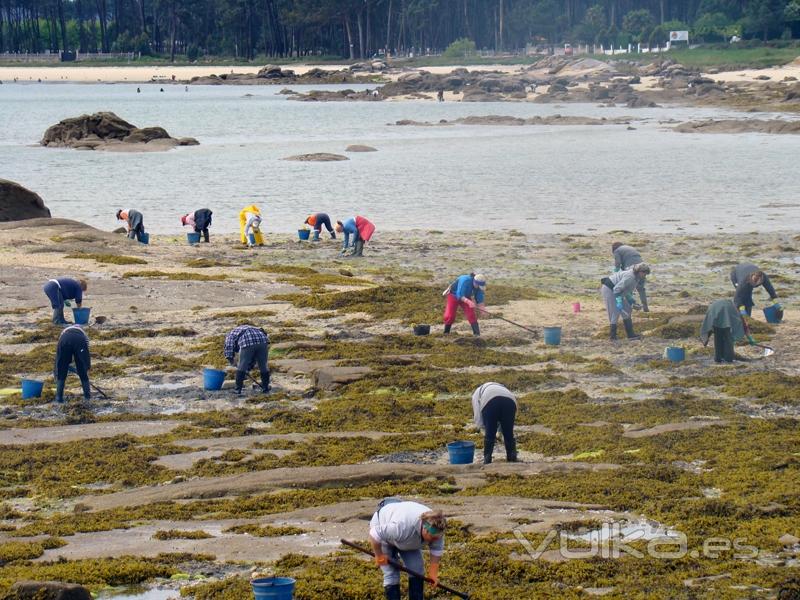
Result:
pixel 359 29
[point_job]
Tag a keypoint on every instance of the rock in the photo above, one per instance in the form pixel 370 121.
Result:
pixel 270 72
pixel 317 157
pixel 47 590
pixel 378 65
pixel 332 377
pixel 120 230
pixel 107 132
pixel 412 77
pixel 18 203
pixel 360 148
pixel 145 134
pixel 788 539
pixel 763 77
pixel 188 141
pixel 774 126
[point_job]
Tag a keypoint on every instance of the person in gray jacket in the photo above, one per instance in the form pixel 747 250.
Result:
pixel 617 293
pixel 725 323
pixel 626 257
pixel 493 405
pixel 745 277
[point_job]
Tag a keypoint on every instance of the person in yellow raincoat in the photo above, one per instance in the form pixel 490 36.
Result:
pixel 250 226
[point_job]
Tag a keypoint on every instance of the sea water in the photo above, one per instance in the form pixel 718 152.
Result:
pixel 529 178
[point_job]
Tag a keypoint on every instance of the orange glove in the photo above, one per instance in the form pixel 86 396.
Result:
pixel 381 560
pixel 433 573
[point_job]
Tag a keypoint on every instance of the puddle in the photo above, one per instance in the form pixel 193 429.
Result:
pixel 139 594
pixel 168 386
pixel 626 531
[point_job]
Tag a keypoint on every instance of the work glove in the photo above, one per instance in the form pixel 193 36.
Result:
pixel 381 560
pixel 750 340
pixel 619 303
pixel 433 573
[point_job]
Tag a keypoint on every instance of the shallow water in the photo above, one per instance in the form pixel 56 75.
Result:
pixel 534 178
pixel 144 594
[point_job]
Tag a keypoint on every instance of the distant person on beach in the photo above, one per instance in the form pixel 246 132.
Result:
pixel 63 291
pixel 317 221
pixel 200 220
pixel 493 405
pixel 138 90
pixel 626 257
pixel 250 226
pixel 745 277
pixel 617 294
pixel 399 531
pixel 73 346
pixel 361 230
pixel 468 292
pixel 440 95
pixel 252 344
pixel 724 322
pixel 135 221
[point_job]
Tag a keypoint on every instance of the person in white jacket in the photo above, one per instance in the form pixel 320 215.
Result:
pixel 493 405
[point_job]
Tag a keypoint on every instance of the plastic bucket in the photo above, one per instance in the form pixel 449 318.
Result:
pixel 773 314
pixel 273 588
pixel 31 388
pixel 461 453
pixel 81 315
pixel 193 237
pixel 304 234
pixel 144 238
pixel 675 354
pixel 552 336
pixel 213 379
pixel 576 307
pixel 422 329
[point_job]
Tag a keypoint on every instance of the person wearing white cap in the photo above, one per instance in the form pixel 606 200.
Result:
pixel 467 292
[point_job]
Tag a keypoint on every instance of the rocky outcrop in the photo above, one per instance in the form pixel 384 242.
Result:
pixel 516 121
pixel 107 131
pixel 18 203
pixel 47 590
pixel 333 377
pixel 773 126
pixel 360 148
pixel 273 74
pixel 317 157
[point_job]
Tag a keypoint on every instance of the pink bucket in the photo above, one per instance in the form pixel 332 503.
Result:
pixel 576 307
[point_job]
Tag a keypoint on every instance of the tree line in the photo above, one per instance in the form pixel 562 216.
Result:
pixel 359 29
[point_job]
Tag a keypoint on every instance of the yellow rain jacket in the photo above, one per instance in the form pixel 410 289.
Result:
pixel 244 215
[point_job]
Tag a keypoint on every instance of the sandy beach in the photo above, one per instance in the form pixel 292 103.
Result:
pixel 361 409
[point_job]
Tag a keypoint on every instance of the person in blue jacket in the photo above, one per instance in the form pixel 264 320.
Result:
pixel 467 292
pixel 347 228
pixel 60 292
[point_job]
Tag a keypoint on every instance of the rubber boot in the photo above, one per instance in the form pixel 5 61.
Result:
pixel 628 323
pixel 392 592
pixel 58 316
pixel 316 236
pixel 265 382
pixel 60 390
pixel 613 329
pixel 333 235
pixel 415 588
pixel 240 375
pixel 358 250
pixel 476 329
pixel 87 392
pixel 447 327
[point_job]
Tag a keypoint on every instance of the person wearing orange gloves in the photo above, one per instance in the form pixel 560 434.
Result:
pixel 467 292
pixel 317 221
pixel 399 530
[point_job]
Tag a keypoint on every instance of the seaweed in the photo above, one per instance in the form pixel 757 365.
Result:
pixel 111 259
pixel 180 534
pixel 180 276
pixel 266 530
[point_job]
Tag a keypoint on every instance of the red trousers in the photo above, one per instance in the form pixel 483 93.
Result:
pixel 451 308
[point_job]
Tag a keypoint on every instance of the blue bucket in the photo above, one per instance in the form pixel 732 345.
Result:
pixel 273 588
pixel 31 388
pixel 552 336
pixel 144 238
pixel 193 237
pixel 304 234
pixel 81 315
pixel 675 354
pixel 461 453
pixel 213 379
pixel 772 314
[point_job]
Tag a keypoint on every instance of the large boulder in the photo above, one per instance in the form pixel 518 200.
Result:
pixel 107 131
pixel 18 203
pixel 47 590
pixel 317 157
